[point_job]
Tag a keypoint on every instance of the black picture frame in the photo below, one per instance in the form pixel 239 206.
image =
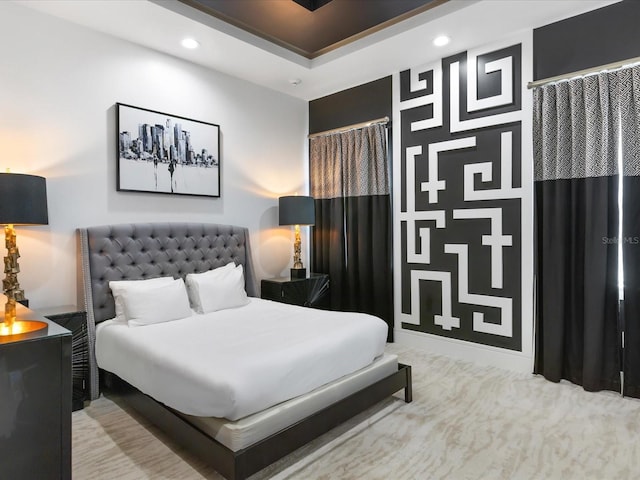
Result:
pixel 163 153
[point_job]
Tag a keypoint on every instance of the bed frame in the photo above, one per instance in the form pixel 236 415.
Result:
pixel 142 251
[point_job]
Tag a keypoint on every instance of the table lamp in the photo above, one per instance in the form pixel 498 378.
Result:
pixel 297 210
pixel 23 201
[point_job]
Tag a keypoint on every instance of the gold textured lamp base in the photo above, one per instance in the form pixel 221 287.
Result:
pixel 298 270
pixel 10 284
pixel 297 249
pixel 11 327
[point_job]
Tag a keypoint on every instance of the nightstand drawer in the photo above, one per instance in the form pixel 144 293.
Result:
pixel 306 292
pixel 271 290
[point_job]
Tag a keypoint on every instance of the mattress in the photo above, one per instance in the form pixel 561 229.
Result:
pixel 237 362
pixel 249 430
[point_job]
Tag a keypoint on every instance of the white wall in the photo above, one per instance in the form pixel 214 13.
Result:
pixel 58 86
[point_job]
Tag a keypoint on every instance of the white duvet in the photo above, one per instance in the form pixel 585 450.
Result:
pixel 236 362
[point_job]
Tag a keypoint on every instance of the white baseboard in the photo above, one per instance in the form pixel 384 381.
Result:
pixel 470 352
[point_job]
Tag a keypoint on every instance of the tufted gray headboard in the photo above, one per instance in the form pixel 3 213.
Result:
pixel 146 250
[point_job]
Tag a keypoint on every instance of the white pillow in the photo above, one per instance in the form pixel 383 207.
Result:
pixel 217 289
pixel 192 280
pixel 120 287
pixel 161 303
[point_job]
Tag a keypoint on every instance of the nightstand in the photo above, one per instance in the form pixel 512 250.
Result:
pixel 75 320
pixel 306 292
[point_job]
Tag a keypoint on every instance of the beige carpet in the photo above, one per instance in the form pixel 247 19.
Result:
pixel 466 422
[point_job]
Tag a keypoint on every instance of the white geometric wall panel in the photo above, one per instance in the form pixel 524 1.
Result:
pixel 460 212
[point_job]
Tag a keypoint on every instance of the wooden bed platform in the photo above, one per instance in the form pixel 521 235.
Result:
pixel 243 463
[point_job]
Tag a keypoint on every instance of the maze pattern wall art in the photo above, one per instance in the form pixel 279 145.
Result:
pixel 461 197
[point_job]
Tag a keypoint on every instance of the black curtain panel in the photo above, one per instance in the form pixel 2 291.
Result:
pixel 577 290
pixel 576 200
pixel 630 136
pixel 631 256
pixel 352 233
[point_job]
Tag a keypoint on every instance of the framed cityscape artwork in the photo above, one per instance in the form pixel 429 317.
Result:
pixel 163 153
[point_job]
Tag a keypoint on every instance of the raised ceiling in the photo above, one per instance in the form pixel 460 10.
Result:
pixel 162 24
pixel 312 27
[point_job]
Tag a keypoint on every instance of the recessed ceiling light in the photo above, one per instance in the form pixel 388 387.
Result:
pixel 190 43
pixel 441 41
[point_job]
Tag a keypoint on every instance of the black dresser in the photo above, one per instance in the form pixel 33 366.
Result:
pixel 35 402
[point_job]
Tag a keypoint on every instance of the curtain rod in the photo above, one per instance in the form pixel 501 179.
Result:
pixel 349 127
pixel 586 71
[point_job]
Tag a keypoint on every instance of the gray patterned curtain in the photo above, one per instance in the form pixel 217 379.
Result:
pixel 352 234
pixel 578 125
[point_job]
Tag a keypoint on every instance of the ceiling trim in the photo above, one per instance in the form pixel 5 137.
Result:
pixel 377 28
pixel 299 51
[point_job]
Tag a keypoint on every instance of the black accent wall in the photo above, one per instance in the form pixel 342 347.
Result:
pixel 363 103
pixel 460 197
pixel 358 104
pixel 602 36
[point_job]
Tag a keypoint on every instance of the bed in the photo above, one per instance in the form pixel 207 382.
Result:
pixel 209 409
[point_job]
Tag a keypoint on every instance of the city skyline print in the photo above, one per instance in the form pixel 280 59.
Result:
pixel 164 153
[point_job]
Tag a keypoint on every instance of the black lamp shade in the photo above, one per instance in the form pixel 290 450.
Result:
pixel 296 210
pixel 23 199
